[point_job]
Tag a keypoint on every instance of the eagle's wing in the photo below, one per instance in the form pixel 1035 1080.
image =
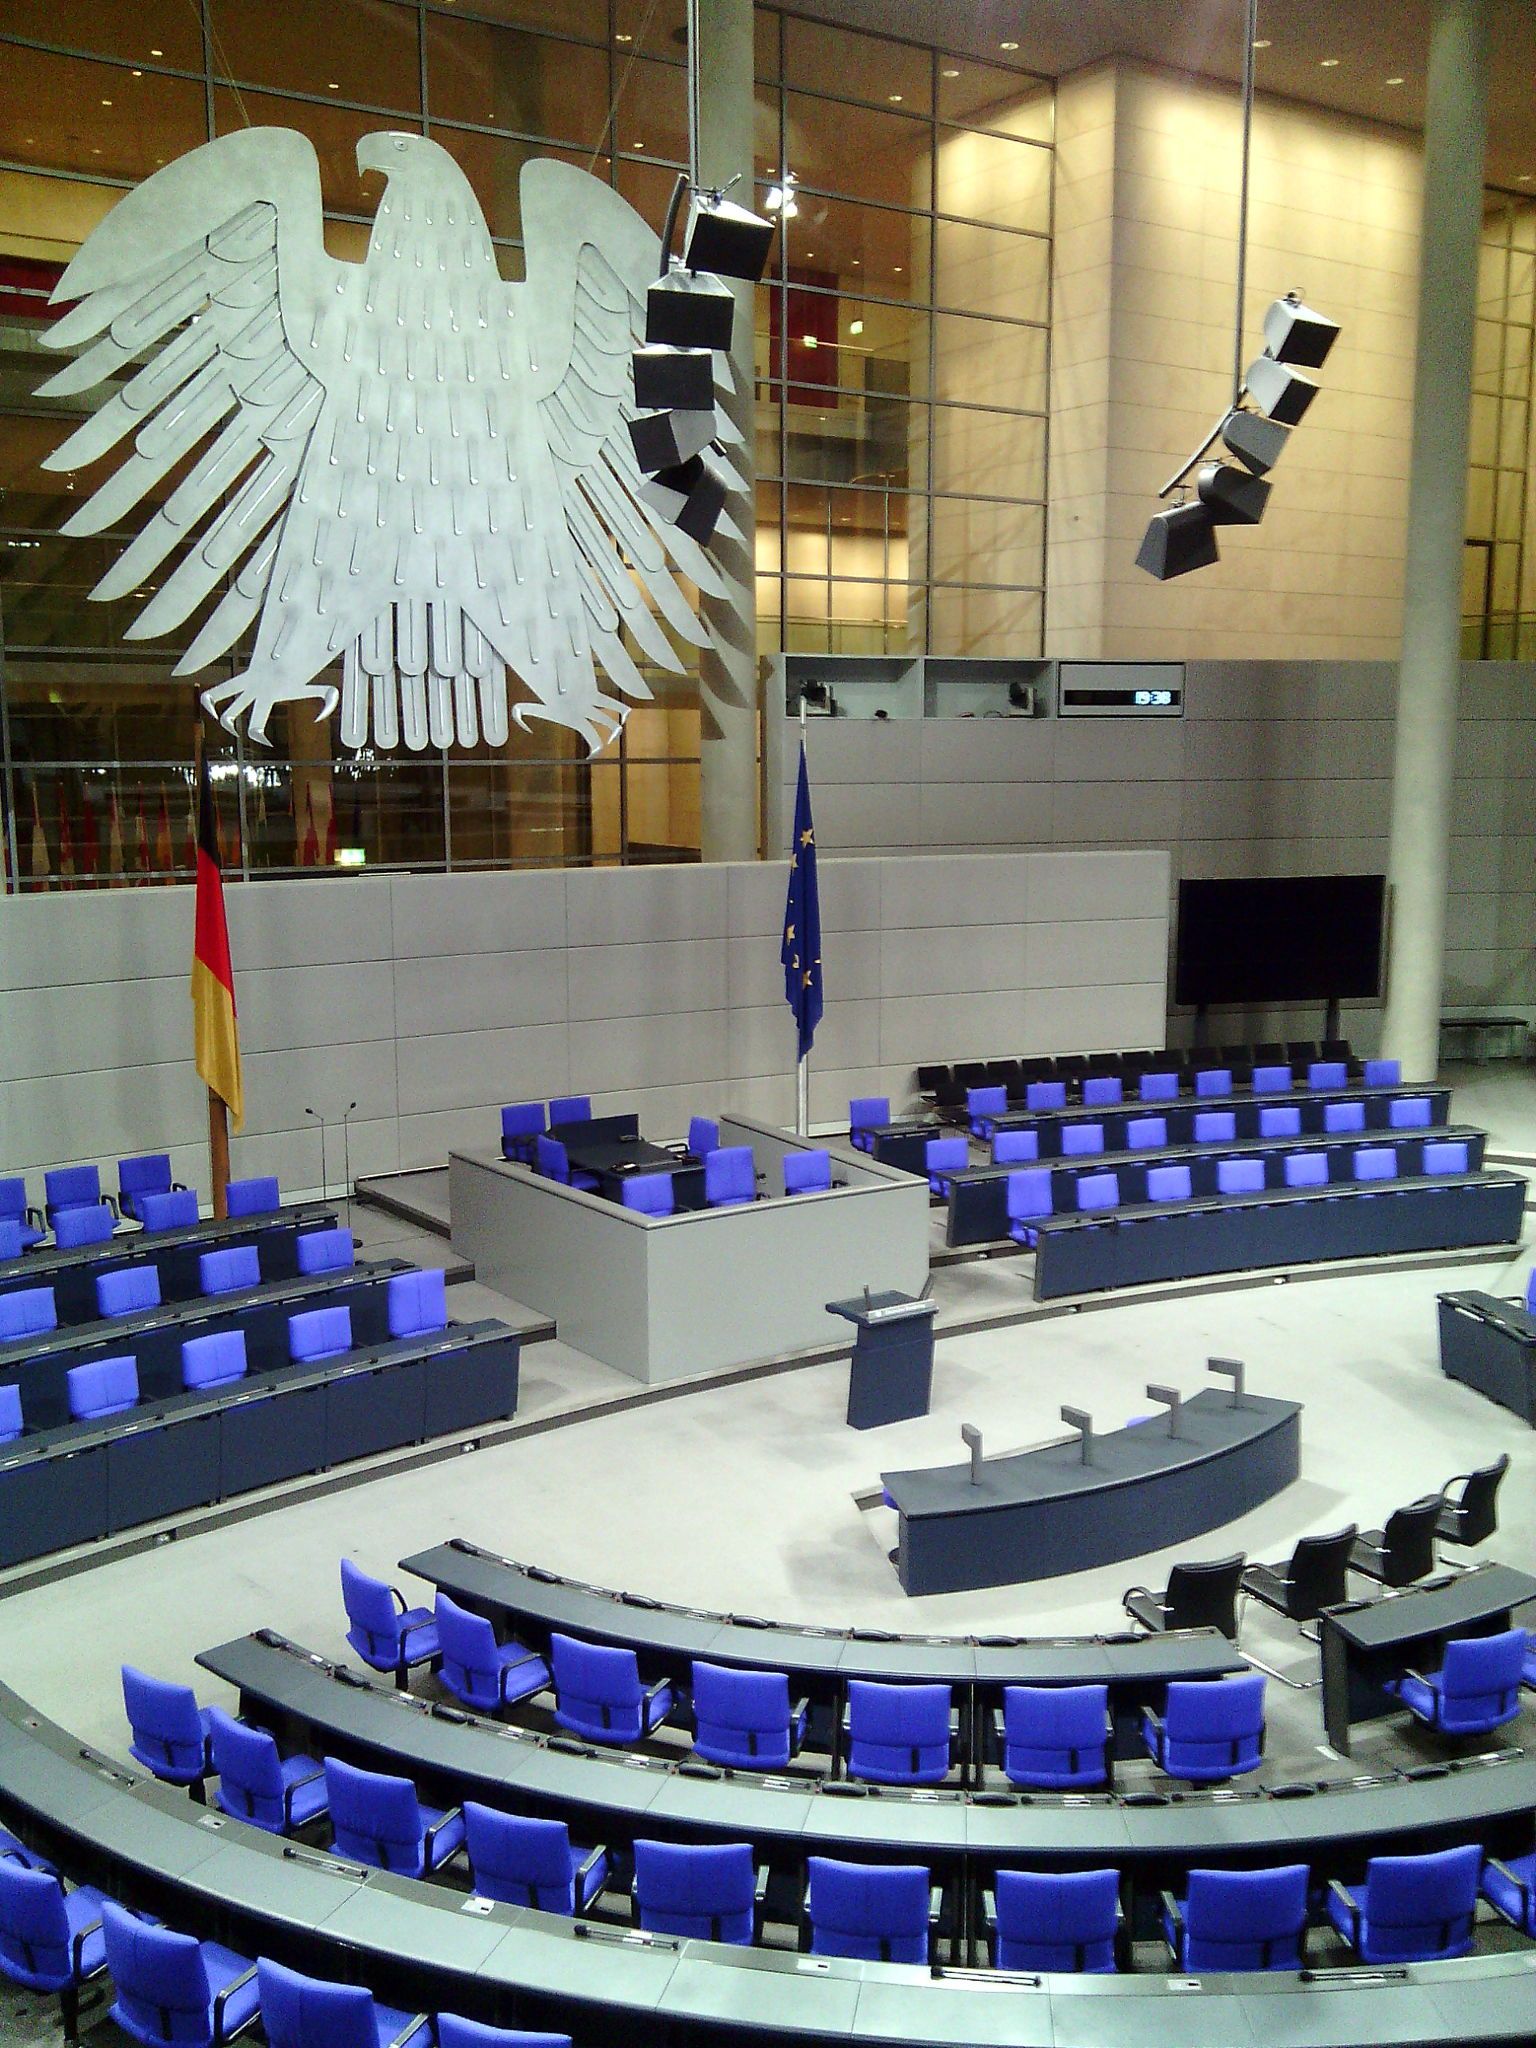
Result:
pixel 212 272
pixel 590 258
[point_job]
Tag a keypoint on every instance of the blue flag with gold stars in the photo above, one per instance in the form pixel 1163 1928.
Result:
pixel 801 950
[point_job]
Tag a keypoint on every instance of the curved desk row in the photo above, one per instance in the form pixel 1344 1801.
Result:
pixel 39 1365
pixel 173 1253
pixel 1312 1102
pixel 417 1947
pixel 85 1480
pixel 1490 1346
pixel 1240 1233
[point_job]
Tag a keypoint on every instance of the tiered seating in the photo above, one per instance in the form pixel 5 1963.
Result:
pixel 1149 1076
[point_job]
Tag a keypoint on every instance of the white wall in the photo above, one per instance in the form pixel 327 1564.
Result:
pixel 432 999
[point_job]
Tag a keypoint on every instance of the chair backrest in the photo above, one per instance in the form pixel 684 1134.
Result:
pixel 13 1197
pixel 127 1289
pixel 1239 1176
pixel 416 1303
pixel 210 1361
pixel 1103 1091
pixel 148 1174
pixel 471 1669
pixel 372 1611
pixel 1343 1116
pixel 159 1976
pixel 1479 1680
pixel 249 1769
pixel 167 1726
pixel 1383 1073
pixel 229 1270
pixel 741 1716
pixel 12 1244
pixel 1409 1112
pixel 1081 1141
pixel 1272 1080
pixel 325 1251
pixel 596 1684
pixel 73 1227
pixel 319 1333
pixel 102 1386
pixel 730 1174
pixel 34 1927
pixel 1010 1148
pixel 1245 1919
pixel 376 1816
pixel 1317 1572
pixel 1057 1920
pixel 1305 1169
pixel 571 1109
pixel 1409 1541
pixel 1327 1074
pixel 1421 1905
pixel 455 2032
pixel 255 1196
pixel 1477 1512
pixel 868 1112
pixel 519 1861
pixel 653 1194
pixel 1213 1081
pixel 1213 1722
pixel 522 1120
pixel 703 1135
pixel 704 1891
pixel 1446 1155
pixel 1205 1595
pixel 308 2012
pixel 1146 1133
pixel 1049 1730
pixel 1374 1162
pixel 1169 1184
pixel 807 1173
pixel 1098 1191
pixel 176 1210
pixel 1280 1120
pixel 1158 1087
pixel 72 1187
pixel 988 1101
pixel 549 1158
pixel 946 1155
pixel 1215 1126
pixel 877 1912
pixel 1040 1095
pixel 898 1733
pixel 11 1422
pixel 28 1312
pixel 1029 1193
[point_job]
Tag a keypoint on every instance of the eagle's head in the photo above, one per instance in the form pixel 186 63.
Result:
pixel 389 153
pixel 433 191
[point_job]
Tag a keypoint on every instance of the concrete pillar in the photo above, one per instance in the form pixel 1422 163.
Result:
pixel 1424 763
pixel 728 694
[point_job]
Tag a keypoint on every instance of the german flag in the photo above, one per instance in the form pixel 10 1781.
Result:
pixel 215 1032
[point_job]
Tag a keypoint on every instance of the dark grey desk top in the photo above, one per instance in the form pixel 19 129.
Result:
pixel 43 1261
pixel 1268 1198
pixel 1220 1148
pixel 1433 1610
pixel 1209 1426
pixel 1513 1317
pixel 884 1306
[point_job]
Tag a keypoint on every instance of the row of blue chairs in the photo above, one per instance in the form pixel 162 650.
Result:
pixel 730 1176
pixel 78 1213
pixel 1108 1091
pixel 1211 1127
pixel 522 1123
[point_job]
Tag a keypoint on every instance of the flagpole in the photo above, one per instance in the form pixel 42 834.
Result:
pixel 802 1069
pixel 218 1108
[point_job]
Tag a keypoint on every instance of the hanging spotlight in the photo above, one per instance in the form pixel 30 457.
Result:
pixel 726 238
pixel 1293 333
pixel 1178 539
pixel 688 310
pixel 692 496
pixel 680 377
pixel 781 198
pixel 1279 392
pixel 1257 443
pixel 664 439
pixel 1232 496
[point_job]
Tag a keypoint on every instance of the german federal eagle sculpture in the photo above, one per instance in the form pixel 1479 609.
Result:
pixel 406 464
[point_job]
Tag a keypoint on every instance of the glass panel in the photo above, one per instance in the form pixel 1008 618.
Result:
pixel 44 221
pixel 839 148
pixel 493 165
pixel 989 96
pixel 1484 448
pixel 1513 413
pixel 662 810
pixel 849 344
pixel 141 31
pixel 1517 362
pixel 992 179
pixel 648 188
pixel 979 362
pixel 765 38
pixel 870 618
pixel 507 811
pixel 858 440
pixel 586 18
pixel 84 709
pixel 986 540
pixel 303 810
pixel 1510 504
pixel 335 132
pixel 985 270
pixel 70 114
pixel 995 454
pixel 662 732
pixel 602 830
pixel 363 50
pixel 1522 266
pixel 863 67
pixel 1007 623
pixel 1491 270
pixel 1487 355
pixel 770 615
pixel 101 824
pixel 652 111
pixel 652 28
pixel 1506 576
pixel 857 248
pixel 505 78
pixel 1480 504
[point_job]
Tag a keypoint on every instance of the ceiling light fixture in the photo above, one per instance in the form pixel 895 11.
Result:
pixel 1007 46
pixel 895 98
pixel 1396 81
pixel 952 72
pixel 1261 43
pixel 157 53
pixel 333 86
pixel 855 326
pixel 1329 63
pixel 623 39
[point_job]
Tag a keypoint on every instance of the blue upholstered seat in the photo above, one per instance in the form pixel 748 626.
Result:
pixel 378 1819
pixel 1409 1113
pixel 1239 1920
pixel 943 1158
pixel 1098 1191
pixel 1509 1886
pixel 12 1244
pixel 651 1194
pixel 983 1106
pixel 1215 1126
pixel 173 1989
pixel 1410 1909
pixel 570 1109
pixel 453 2032
pixel 1158 1087
pixel 745 1717
pixel 1103 1091
pixel 1062 1920
pixel 1305 1169
pixel 256 1782
pixel 1239 1176
pixel 1081 1141
pixel 148 1174
pixel 1383 1073
pixel 1280 1120
pixel 1209 1729
pixel 50 1939
pixel 478 1670
pixel 697 1891
pixel 1029 1199
pixel 256 1196
pixel 598 1692
pixel 214 1360
pixel 898 1734
pixel 526 1862
pixel 1170 1183
pixel 11 1423
pixel 1045 1095
pixel 386 1634
pixel 14 1208
pixel 27 1312
pixel 553 1161
pixel 730 1175
pixel 1339 1117
pixel 232 1269
pixel 325 1251
pixel 102 1386
pixel 1213 1081
pixel 174 1211
pixel 1327 1074
pixel 71 1187
pixel 1475 1690
pixel 807 1173
pixel 320 1333
pixel 1055 1736
pixel 126 1290
pixel 75 1227
pixel 1146 1133
pixel 170 1730
pixel 416 1303
pixel 703 1135
pixel 309 2012
pixel 873 1912
pixel 521 1123
pixel 866 1114
pixel 1272 1080
pixel 1015 1148
pixel 1374 1162
pixel 1446 1155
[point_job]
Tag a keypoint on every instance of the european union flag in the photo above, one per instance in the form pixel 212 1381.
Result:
pixel 801 950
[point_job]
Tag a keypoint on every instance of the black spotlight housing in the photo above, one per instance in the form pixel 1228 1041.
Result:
pixel 1279 392
pixel 1294 333
pixel 684 310
pixel 691 496
pixel 662 440
pixel 1178 539
pixel 683 378
pixel 726 238
pixel 1232 496
pixel 1257 443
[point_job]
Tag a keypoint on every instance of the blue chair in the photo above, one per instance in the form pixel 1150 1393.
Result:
pixel 232 1269
pixel 1081 1141
pixel 898 1734
pixel 883 1913
pixel 416 1303
pixel 744 1718
pixel 730 1176
pixel 1215 1126
pixel 1476 1689
pixel 1146 1133
pixel 319 1333
pixel 650 1194
pixel 807 1173
pixel 525 1862
pixel 1103 1091
pixel 452 2032
pixel 598 1693
pixel 1158 1087
pixel 866 1115
pixel 308 2012
pixel 698 1891
pixel 1409 1113
pixel 1239 1176
pixel 325 1251
pixel 943 1158
pixel 28 1312
pixel 1374 1162
pixel 257 1196
pixel 173 1989
pixel 379 1820
pixel 1446 1155
pixel 175 1211
pixel 1239 1920
pixel 1305 1169
pixel 149 1174
pixel 14 1208
pixel 72 1187
pixel 171 1732
pixel 1015 1148
pixel 1045 1095
pixel 102 1386
pixel 127 1289
pixel 570 1109
pixel 479 1671
pixel 983 1106
pixel 12 1243
pixel 1280 1120
pixel 1383 1073
pixel 1342 1117
pixel 1056 1737
pixel 1209 1729
pixel 1029 1200
pixel 1065 1920
pixel 1410 1909
pixel 1327 1074
pixel 1211 1081
pixel 50 1939
pixel 75 1227
pixel 1169 1184
pixel 1509 1886
pixel 213 1361
pixel 552 1160
pixel 386 1634
pixel 256 1782
pixel 1098 1191
pixel 11 1423
pixel 521 1123
pixel 1272 1080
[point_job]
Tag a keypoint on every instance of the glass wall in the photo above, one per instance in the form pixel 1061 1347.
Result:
pixel 1499 581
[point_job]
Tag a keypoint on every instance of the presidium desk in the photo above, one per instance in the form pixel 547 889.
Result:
pixel 1044 1512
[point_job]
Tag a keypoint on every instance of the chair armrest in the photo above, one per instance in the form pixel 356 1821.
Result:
pixel 935 1906
pixel 1173 1914
pixel 453 1813
pixel 37 1217
pixel 413 1628
pixel 178 1187
pixel 1363 1542
pixel 297 1786
pixel 399 1598
pixel 110 1202
pixel 221 2000
pixel 759 1900
pixel 1143 1592
pixel 588 1863
pixel 1151 1718
pixel 1346 1898
pixel 77 1947
pixel 412 2025
pixel 654 1693
pixel 1521 1888
pixel 799 1723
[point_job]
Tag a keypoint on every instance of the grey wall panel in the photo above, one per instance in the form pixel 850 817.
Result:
pixel 1064 886
pixel 755 973
pixel 454 1069
pixel 972 958
pixel 985 814
pixel 114 935
pixel 611 906
pixel 1013 750
pixel 850 891
pixel 481 913
pixel 646 980
pixel 1108 1018
pixel 1106 951
pixel 312 1007
pixel 1116 814
pixel 918 1028
pixel 941 894
pixel 488 991
pixel 294 924
pixel 648 1052
pixel 68 1029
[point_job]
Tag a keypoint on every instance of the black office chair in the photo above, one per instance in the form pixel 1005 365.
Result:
pixel 931 1078
pixel 1471 1515
pixel 1196 1596
pixel 1314 1578
pixel 1402 1552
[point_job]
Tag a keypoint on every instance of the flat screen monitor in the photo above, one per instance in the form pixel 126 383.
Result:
pixel 1286 939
